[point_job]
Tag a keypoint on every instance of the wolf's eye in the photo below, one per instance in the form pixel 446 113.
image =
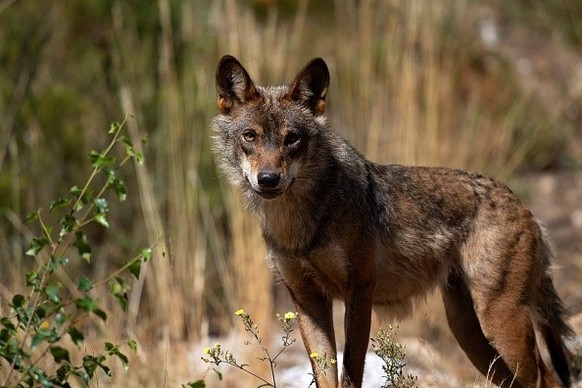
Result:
pixel 292 139
pixel 249 135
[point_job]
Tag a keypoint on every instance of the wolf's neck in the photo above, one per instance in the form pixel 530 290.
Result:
pixel 288 224
pixel 294 221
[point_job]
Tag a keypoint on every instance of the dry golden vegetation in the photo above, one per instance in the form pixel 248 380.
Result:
pixel 416 82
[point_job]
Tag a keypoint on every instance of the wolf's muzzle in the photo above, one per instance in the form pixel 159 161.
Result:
pixel 268 180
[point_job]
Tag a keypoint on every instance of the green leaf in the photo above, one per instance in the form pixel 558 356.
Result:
pixel 75 191
pixel 101 219
pixel 99 161
pixel 118 285
pixel 86 303
pixel 53 293
pixel 76 335
pixel 119 188
pixel 32 279
pixel 129 151
pixel 31 217
pixel 93 156
pixel 82 245
pixel 123 358
pixel 132 345
pixel 56 262
pixel 114 127
pixel 64 371
pixel 91 363
pixel 101 211
pixel 5 335
pixel 119 289
pixel 195 384
pixel 12 351
pixel 113 350
pixel 82 375
pixel 138 157
pixel 60 354
pixel 67 224
pixel 7 323
pixel 101 314
pixel 101 205
pixel 58 203
pixel 49 335
pixel 36 340
pixel 109 173
pixel 52 336
pixel 85 197
pixel 42 312
pixel 135 268
pixel 39 376
pixel 146 253
pixel 36 245
pixel 84 284
pixel 60 318
pixel 18 301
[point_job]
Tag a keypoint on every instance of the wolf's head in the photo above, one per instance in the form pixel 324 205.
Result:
pixel 265 135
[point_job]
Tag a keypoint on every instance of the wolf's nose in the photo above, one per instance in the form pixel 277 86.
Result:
pixel 268 179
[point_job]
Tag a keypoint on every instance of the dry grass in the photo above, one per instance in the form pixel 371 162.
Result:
pixel 410 84
pixel 409 91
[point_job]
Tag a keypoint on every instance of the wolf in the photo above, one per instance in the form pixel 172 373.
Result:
pixel 338 226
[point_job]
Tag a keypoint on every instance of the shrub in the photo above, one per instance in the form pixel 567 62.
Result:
pixel 42 327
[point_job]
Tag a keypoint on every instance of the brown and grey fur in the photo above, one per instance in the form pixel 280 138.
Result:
pixel 339 226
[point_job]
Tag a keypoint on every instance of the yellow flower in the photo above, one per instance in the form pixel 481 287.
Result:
pixel 239 312
pixel 314 355
pixel 206 350
pixel 217 345
pixel 333 361
pixel 290 315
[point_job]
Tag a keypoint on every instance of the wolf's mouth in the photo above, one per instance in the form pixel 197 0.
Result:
pixel 269 193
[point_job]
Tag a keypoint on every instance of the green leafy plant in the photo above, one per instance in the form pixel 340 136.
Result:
pixel 217 355
pixel 42 328
pixel 392 354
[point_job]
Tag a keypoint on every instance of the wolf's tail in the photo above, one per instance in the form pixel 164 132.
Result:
pixel 555 330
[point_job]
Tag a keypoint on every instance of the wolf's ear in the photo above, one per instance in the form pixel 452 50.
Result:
pixel 310 86
pixel 233 84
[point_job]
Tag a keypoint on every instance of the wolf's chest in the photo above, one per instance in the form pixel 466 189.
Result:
pixel 325 267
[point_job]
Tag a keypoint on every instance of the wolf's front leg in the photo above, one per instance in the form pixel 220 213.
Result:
pixel 316 326
pixel 357 328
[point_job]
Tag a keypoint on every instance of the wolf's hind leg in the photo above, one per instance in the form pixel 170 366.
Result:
pixel 508 325
pixel 467 331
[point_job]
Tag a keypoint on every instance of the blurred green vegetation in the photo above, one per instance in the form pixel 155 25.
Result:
pixel 550 16
pixel 412 82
